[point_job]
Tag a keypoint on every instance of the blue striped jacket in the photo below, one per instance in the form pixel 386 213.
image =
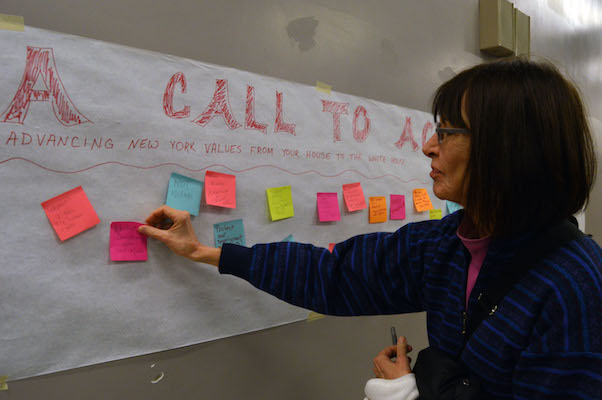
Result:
pixel 544 341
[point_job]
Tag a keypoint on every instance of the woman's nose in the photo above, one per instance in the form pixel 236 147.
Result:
pixel 431 147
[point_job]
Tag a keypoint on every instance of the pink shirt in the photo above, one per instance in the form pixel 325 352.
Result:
pixel 477 249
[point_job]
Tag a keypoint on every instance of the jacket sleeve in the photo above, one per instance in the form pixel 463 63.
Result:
pixel 377 273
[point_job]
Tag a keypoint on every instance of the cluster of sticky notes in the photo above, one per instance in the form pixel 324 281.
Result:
pixel 422 202
pixel 70 213
pixel 126 243
pixel 280 203
pixel 328 205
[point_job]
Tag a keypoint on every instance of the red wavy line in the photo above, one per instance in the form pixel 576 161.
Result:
pixel 210 166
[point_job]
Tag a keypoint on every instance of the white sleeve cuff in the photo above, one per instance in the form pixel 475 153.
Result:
pixel 402 388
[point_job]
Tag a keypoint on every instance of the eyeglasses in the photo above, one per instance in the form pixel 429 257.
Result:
pixel 443 132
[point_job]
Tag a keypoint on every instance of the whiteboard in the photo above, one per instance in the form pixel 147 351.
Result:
pixel 118 121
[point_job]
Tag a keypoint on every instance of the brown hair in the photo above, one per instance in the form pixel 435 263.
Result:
pixel 532 159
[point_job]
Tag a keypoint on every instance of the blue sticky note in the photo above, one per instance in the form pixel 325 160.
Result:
pixel 184 193
pixel 452 207
pixel 229 232
pixel 289 238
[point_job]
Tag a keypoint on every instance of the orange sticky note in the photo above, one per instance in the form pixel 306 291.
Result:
pixel 354 196
pixel 378 209
pixel 422 201
pixel 70 213
pixel 220 189
pixel 331 247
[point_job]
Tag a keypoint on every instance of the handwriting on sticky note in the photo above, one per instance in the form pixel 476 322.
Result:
pixel 220 189
pixel 70 213
pixel 398 206
pixel 229 232
pixel 328 207
pixel 422 201
pixel 434 214
pixel 126 243
pixel 378 209
pixel 184 193
pixel 280 203
pixel 354 196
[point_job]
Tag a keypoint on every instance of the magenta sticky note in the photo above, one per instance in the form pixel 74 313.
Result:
pixel 126 243
pixel 398 206
pixel 328 207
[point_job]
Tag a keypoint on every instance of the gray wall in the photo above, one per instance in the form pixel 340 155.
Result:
pixel 397 51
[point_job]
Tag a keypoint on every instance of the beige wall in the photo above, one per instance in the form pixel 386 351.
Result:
pixel 397 51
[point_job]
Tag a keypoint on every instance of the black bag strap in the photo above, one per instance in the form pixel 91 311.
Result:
pixel 553 238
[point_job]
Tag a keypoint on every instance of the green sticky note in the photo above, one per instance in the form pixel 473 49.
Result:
pixel 289 238
pixel 280 202
pixel 435 214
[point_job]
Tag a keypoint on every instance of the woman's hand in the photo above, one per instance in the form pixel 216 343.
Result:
pixel 385 367
pixel 174 228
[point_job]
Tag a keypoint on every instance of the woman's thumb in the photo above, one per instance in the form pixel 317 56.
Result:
pixel 402 348
pixel 153 232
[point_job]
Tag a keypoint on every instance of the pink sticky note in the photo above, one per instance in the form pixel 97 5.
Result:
pixel 126 243
pixel 70 213
pixel 398 206
pixel 354 196
pixel 220 189
pixel 328 207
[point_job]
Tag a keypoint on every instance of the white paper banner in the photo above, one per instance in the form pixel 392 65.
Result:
pixel 118 121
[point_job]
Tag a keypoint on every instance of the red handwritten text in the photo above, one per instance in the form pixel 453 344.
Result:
pixel 40 63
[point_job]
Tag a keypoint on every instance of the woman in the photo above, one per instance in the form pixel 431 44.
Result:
pixel 514 148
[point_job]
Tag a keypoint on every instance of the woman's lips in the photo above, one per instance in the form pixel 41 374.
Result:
pixel 435 172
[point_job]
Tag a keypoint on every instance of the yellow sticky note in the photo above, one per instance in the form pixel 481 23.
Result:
pixel 12 22
pixel 3 384
pixel 378 209
pixel 422 201
pixel 434 214
pixel 323 87
pixel 313 316
pixel 280 202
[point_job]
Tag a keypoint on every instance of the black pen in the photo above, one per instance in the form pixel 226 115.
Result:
pixel 393 335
